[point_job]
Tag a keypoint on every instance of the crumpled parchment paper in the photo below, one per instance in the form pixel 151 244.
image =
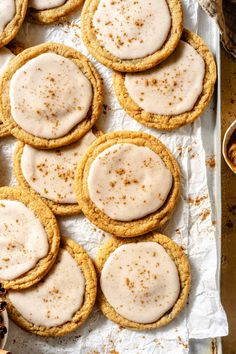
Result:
pixel 193 224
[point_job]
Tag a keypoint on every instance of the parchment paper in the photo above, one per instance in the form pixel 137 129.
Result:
pixel 193 225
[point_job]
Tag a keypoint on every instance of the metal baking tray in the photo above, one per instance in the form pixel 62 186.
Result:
pixel 211 136
pixel 211 123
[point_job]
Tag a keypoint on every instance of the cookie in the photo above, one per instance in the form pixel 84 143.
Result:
pixel 174 93
pixel 46 12
pixel 144 282
pixel 6 54
pixel 134 36
pixel 50 173
pixel 12 14
pixel 51 96
pixel 127 183
pixel 29 238
pixel 65 297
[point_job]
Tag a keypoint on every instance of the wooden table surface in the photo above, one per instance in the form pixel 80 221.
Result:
pixel 228 271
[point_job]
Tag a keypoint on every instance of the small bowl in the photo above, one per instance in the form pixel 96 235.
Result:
pixel 228 134
pixel 6 324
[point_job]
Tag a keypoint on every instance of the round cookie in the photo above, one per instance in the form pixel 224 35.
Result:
pixel 123 227
pixel 12 24
pixel 170 122
pixel 64 175
pixel 54 14
pixel 13 48
pixel 98 50
pixel 39 217
pixel 49 109
pixel 177 255
pixel 86 266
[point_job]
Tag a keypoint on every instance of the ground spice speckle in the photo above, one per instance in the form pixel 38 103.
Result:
pixel 211 162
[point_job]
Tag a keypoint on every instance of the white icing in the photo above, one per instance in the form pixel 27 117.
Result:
pixel 53 301
pixel 51 172
pixel 171 88
pixel 5 57
pixel 49 96
pixel 23 240
pixel 45 4
pixel 132 29
pixel 127 181
pixel 140 281
pixel 7 12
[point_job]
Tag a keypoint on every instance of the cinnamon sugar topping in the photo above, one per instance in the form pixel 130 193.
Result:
pixel 134 29
pixel 23 240
pixel 127 181
pixel 58 296
pixel 173 87
pixel 140 281
pixel 49 95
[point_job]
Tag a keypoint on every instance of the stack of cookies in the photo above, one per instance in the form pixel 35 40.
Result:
pixel 126 183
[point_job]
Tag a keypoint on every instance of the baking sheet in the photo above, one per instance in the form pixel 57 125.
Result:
pixel 195 224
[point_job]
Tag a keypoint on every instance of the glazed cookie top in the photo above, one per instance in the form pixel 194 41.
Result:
pixel 59 296
pixel 45 4
pixel 128 182
pixel 173 87
pixel 174 93
pixel 131 36
pixel 140 281
pixel 5 56
pixel 51 172
pixel 7 12
pixel 65 297
pixel 23 240
pixel 133 30
pixel 144 282
pixel 49 95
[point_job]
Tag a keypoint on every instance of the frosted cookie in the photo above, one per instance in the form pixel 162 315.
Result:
pixel 12 14
pixel 131 35
pixel 6 55
pixel 50 173
pixel 45 12
pixel 144 282
pixel 127 183
pixel 65 296
pixel 29 238
pixel 174 93
pixel 51 96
